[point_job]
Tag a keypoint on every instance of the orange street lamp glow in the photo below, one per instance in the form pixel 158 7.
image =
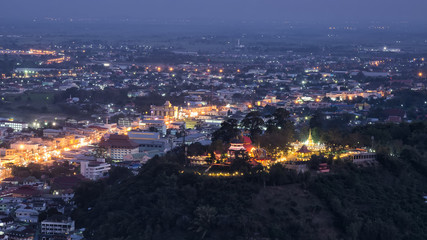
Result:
pixel 420 74
pixel 170 69
pixel 159 69
pixel 221 70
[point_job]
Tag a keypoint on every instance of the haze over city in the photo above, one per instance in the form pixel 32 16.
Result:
pixel 309 11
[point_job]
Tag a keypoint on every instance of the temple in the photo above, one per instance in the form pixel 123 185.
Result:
pixel 304 150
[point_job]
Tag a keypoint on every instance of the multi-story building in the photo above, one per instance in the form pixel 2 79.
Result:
pixel 94 170
pixel 124 122
pixel 118 146
pixel 16 126
pixel 57 225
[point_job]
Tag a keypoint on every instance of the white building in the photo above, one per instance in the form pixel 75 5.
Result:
pixel 363 157
pixel 57 225
pixel 94 170
pixel 16 126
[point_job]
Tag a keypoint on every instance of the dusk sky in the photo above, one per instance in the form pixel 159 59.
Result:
pixel 228 10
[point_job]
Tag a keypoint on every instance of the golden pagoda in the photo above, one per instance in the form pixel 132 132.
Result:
pixel 309 141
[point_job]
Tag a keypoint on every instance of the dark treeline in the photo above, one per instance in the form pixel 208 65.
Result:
pixel 111 95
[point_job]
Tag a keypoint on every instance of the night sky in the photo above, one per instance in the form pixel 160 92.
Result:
pixel 221 10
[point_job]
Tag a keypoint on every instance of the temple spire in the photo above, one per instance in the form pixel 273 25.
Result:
pixel 310 138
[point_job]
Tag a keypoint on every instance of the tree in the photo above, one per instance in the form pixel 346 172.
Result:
pixel 48 213
pixel 281 120
pixel 280 132
pixel 229 130
pixel 315 161
pixel 253 123
pixel 240 162
pixel 205 218
pixel 316 121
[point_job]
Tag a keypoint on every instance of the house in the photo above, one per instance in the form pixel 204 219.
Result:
pixel 21 233
pixel 11 180
pixel 39 206
pixel 395 115
pixel 25 192
pixel 67 195
pixel 5 222
pixel 27 214
pixel 66 182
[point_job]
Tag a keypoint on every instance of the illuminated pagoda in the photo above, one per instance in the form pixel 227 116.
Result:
pixel 310 144
pixel 309 141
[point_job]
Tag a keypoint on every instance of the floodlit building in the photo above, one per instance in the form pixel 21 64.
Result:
pixel 119 146
pixel 167 110
pixel 24 146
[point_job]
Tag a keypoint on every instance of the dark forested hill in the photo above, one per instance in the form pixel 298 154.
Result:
pixel 165 202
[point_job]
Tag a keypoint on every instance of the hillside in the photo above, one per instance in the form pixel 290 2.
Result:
pixel 165 202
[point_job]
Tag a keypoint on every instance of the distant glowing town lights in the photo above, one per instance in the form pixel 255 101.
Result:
pixel 159 69
pixel 420 74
